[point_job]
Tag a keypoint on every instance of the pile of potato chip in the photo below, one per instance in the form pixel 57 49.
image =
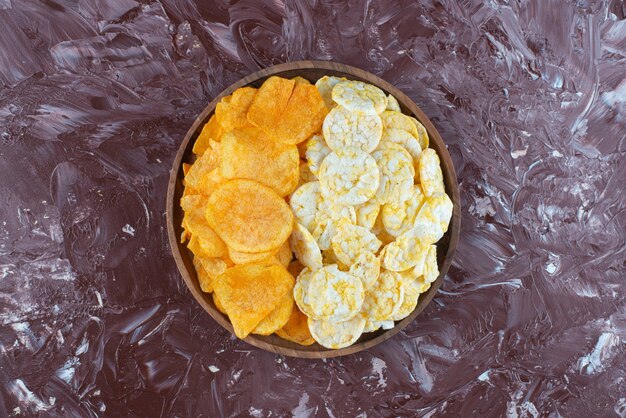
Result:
pixel 332 173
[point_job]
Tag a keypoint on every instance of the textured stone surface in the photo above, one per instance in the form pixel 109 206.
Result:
pixel 530 97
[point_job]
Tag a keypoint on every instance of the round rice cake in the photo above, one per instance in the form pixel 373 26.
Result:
pixel 384 299
pixel 351 240
pixel 422 134
pixel 396 172
pixel 334 295
pixel 336 335
pixel 367 268
pixel 301 291
pixel 325 86
pixel 392 103
pixel 359 97
pixel 371 326
pixel 406 140
pixel 305 248
pixel 366 213
pixel 344 130
pixel 349 178
pixel 304 201
pixel 405 252
pixel 411 295
pixel 430 174
pixel 398 120
pixel 431 269
pixel 327 217
pixel 316 151
pixel 400 217
pixel 305 175
pixel 433 219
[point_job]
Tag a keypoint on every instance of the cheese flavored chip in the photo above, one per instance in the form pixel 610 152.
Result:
pixel 304 202
pixel 211 131
pixel 367 268
pixel 246 153
pixel 325 86
pixel 248 216
pixel 399 217
pixel 366 213
pixel 349 178
pixel 305 248
pixel 334 295
pixel 249 292
pixel 345 130
pixel 396 172
pixel 336 334
pixel 360 97
pixel 422 134
pixel 430 173
pixel 232 110
pixel 431 269
pixel 352 240
pixel 296 329
pixel 392 104
pixel 276 319
pixel 316 151
pixel 406 141
pixel 384 299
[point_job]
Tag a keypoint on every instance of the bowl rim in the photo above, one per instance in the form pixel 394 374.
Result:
pixel 174 230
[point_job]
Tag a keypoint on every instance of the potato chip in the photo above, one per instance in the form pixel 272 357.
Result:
pixel 249 292
pixel 396 172
pixel 295 267
pixel 403 253
pixel 316 151
pixel 218 304
pixel 239 257
pixel 385 297
pixel 211 131
pixel 366 267
pixel 210 181
pixel 197 225
pixel 248 216
pixel 345 130
pixel 349 178
pixel 336 334
pixel 325 86
pixel 203 164
pixel 268 106
pixel 366 213
pixel 305 248
pixel 406 141
pixel 352 240
pixel 392 103
pixel 206 282
pixel 431 177
pixel 360 97
pixel 232 110
pixel 334 295
pixel 186 168
pixel 422 134
pixel 284 255
pixel 304 202
pixel 399 217
pixel 212 267
pixel 296 329
pixel 431 269
pixel 306 176
pixel 301 80
pixel 411 294
pixel 277 318
pixel 246 153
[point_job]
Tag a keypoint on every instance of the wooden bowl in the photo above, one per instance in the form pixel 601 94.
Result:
pixel 311 70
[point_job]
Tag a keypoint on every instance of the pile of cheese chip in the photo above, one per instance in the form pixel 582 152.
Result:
pixel 368 206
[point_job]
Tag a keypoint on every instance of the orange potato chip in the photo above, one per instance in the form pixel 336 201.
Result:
pixel 208 268
pixel 248 216
pixel 284 255
pixel 186 168
pixel 247 153
pixel 212 130
pixel 218 304
pixel 268 106
pixel 232 110
pixel 295 267
pixel 277 318
pixel 296 329
pixel 203 164
pixel 206 282
pixel 197 225
pixel 239 257
pixel 302 117
pixel 301 80
pixel 249 292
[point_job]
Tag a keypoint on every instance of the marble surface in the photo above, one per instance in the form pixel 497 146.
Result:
pixel 530 97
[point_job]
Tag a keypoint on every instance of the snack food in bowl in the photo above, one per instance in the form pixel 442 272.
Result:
pixel 313 210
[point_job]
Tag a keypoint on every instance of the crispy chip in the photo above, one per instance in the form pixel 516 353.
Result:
pixel 406 141
pixel 431 269
pixel 269 104
pixel 396 172
pixel 301 291
pixel 316 151
pixel 197 225
pixel 218 304
pixel 304 202
pixel 405 252
pixel 325 86
pixel 249 292
pixel 432 220
pixel 430 173
pixel 301 80
pixel 411 294
pixel 345 130
pixel 327 218
pixel 334 295
pixel 206 282
pixel 336 334
pixel 186 168
pixel 296 329
pixel 306 176
pixel 422 134
pixel 203 164
pixel 366 213
pixel 397 120
pixel 400 217
pixel 284 255
pixel 239 257
pixel 248 216
pixel 247 153
pixel 211 131
pixel 277 318
pixel 392 103
pixel 305 248
pixel 371 326
pixel 367 268
pixel 349 178
pixel 295 267
pixel 350 241
pixel 232 110
pixel 384 299
pixel 360 97
pixel 211 268
pixel 302 117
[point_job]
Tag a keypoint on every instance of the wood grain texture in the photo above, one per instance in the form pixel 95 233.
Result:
pixel 311 70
